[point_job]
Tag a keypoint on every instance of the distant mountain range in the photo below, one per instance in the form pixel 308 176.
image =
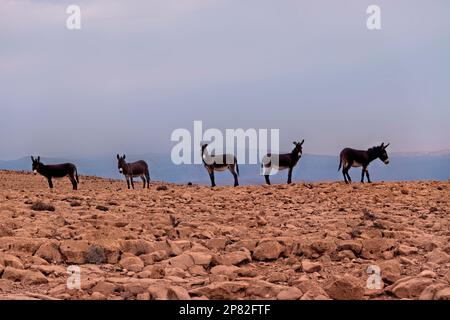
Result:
pixel 404 166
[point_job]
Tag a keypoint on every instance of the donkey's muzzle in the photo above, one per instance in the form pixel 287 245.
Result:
pixel 121 170
pixel 34 171
pixel 386 161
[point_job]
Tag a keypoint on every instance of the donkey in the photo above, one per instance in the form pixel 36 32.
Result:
pixel 282 161
pixel 56 171
pixel 135 169
pixel 361 158
pixel 220 162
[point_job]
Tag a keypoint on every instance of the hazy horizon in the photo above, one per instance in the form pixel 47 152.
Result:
pixel 137 70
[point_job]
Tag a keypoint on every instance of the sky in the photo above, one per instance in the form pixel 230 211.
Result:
pixel 139 69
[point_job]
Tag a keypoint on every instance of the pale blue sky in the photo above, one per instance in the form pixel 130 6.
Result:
pixel 140 69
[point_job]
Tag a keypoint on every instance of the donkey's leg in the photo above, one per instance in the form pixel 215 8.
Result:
pixel 362 174
pixel 267 179
pixel 132 182
pixel 128 182
pixel 50 183
pixel 346 175
pixel 73 180
pixel 233 172
pixel 289 181
pixel 147 177
pixel 367 175
pixel 211 176
pixel 143 180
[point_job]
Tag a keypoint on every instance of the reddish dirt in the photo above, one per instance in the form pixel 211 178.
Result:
pixel 299 241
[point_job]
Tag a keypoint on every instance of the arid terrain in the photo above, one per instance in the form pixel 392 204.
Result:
pixel 299 241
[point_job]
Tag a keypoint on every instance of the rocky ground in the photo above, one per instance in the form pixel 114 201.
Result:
pixel 299 241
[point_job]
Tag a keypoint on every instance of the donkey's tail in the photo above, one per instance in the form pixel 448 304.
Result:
pixel 340 164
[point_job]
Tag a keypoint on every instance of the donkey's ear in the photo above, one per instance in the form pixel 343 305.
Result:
pixel 118 157
pixel 387 145
pixel 303 141
pixel 32 159
pixel 39 158
pixel 295 143
pixel 123 157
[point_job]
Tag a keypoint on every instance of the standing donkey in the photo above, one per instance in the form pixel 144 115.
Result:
pixel 134 169
pixel 220 162
pixel 282 161
pixel 56 171
pixel 361 158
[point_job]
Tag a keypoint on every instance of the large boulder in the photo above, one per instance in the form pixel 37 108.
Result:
pixel 267 250
pixel 346 288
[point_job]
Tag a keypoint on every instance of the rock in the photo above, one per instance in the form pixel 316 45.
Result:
pixel 390 270
pixel 177 293
pixel 292 293
pixel 97 296
pixel 221 290
pixel 49 251
pixel 152 272
pixel 267 250
pixel 410 287
pixel 310 267
pixel 429 292
pixel 353 245
pixel 230 271
pixel 135 287
pixel 197 271
pixel 25 276
pixel 406 250
pixel 216 243
pixel 158 292
pixel 447 276
pixel 9 260
pixel 234 258
pixel 200 258
pixel 346 288
pixel 105 288
pixel 315 294
pixel 74 251
pixel 443 294
pixel 375 247
pixel 407 261
pixel 264 289
pixel 132 263
pixel 183 261
pixel 261 221
pixel 427 274
pixel 138 247
pixel 95 255
pixel 143 296
pixel 438 256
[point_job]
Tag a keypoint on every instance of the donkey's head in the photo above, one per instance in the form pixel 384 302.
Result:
pixel 381 153
pixel 36 164
pixel 121 163
pixel 298 150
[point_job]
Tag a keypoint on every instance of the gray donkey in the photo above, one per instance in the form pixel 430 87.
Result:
pixel 361 158
pixel 219 162
pixel 282 161
pixel 134 169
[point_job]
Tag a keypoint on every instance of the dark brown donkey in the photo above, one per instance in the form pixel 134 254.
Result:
pixel 56 171
pixel 219 162
pixel 361 158
pixel 134 169
pixel 282 161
